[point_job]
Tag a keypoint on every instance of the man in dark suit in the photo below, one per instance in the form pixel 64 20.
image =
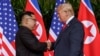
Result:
pixel 26 42
pixel 70 39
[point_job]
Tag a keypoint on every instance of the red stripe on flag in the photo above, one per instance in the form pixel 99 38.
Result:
pixel 7 49
pixel 31 8
pixel 13 44
pixel 0 43
pixel 51 38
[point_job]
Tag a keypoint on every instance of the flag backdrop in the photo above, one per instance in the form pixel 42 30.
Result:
pixel 56 25
pixel 32 5
pixel 8 29
pixel 40 33
pixel 92 39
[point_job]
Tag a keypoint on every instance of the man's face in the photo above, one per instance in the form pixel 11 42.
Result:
pixel 31 21
pixel 64 14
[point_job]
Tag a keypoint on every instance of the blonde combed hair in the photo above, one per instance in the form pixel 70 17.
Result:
pixel 68 7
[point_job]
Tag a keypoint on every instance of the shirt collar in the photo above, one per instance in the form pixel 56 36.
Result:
pixel 69 19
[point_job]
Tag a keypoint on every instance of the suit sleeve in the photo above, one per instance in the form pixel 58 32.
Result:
pixel 32 43
pixel 76 40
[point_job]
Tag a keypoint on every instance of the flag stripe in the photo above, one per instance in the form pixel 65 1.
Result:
pixel 30 1
pixel 6 49
pixel 13 44
pixel 51 38
pixel 9 46
pixel 32 5
pixel 8 28
pixel 53 34
pixel 90 9
pixel 4 52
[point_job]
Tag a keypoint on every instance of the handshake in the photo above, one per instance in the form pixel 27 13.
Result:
pixel 49 44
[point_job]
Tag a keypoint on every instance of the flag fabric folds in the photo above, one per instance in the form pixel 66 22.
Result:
pixel 56 25
pixel 32 5
pixel 8 29
pixel 40 32
pixel 91 39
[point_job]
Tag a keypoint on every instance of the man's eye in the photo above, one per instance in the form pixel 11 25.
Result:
pixel 66 11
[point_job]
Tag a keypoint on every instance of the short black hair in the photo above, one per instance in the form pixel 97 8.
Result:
pixel 29 13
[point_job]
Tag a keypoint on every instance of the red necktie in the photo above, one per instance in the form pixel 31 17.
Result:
pixel 64 26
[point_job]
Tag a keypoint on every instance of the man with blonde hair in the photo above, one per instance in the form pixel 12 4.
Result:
pixel 70 39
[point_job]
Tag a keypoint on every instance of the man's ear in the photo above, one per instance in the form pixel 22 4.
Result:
pixel 25 20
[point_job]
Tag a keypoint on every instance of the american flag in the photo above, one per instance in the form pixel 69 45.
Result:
pixel 8 28
pixel 56 25
pixel 92 39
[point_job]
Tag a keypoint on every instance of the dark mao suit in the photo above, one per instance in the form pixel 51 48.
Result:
pixel 27 44
pixel 70 40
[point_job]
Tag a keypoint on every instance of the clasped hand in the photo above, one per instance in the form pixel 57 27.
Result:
pixel 48 44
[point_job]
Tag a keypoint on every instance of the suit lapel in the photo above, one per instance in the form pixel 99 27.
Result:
pixel 72 22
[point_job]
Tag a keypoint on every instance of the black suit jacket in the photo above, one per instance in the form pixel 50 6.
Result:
pixel 27 44
pixel 70 40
